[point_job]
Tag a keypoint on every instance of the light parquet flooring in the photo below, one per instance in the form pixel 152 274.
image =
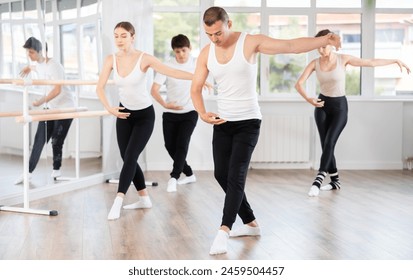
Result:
pixel 370 218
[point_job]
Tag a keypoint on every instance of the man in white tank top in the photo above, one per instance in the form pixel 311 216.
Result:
pixel 55 96
pixel 231 59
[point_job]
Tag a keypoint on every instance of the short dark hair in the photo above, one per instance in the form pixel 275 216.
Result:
pixel 180 41
pixel 323 32
pixel 214 14
pixel 34 44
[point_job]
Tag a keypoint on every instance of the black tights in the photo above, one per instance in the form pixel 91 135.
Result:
pixel 57 130
pixel 331 120
pixel 133 133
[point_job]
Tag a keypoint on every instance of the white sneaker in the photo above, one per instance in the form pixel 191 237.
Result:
pixel 171 185
pixel 187 180
pixel 21 179
pixel 56 173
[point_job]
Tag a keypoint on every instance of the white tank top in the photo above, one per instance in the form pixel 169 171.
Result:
pixel 237 97
pixel 133 93
pixel 332 83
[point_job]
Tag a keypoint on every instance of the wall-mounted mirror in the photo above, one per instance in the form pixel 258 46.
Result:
pixel 68 31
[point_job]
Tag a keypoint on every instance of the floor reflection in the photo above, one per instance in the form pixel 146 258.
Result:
pixel 11 168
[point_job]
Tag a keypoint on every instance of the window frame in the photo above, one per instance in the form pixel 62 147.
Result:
pixel 55 24
pixel 366 11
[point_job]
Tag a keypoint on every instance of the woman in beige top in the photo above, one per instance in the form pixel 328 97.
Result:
pixel 331 105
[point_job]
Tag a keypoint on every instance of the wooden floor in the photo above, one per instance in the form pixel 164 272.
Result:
pixel 370 218
pixel 11 168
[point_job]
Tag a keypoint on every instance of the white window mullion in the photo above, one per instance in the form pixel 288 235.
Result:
pixel 368 23
pixel 265 62
pixel 311 83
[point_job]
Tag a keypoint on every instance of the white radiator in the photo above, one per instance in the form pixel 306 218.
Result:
pixel 284 139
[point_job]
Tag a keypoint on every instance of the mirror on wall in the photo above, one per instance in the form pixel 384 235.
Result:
pixel 67 30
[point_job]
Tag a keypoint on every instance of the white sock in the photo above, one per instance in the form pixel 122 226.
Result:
pixel 187 180
pixel 114 212
pixel 21 179
pixel 219 246
pixel 327 187
pixel 171 185
pixel 333 185
pixel 143 202
pixel 245 230
pixel 314 191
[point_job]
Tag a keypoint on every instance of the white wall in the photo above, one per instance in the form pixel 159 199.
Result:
pixel 407 130
pixel 373 138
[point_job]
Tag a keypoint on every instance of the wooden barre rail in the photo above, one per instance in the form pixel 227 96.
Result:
pixel 42 112
pixel 6 81
pixel 62 116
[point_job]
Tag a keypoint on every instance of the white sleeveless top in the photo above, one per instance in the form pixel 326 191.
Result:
pixel 133 93
pixel 332 83
pixel 237 98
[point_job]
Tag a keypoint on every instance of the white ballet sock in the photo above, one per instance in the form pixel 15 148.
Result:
pixel 334 184
pixel 327 187
pixel 245 230
pixel 143 202
pixel 114 212
pixel 171 185
pixel 314 191
pixel 187 180
pixel 219 246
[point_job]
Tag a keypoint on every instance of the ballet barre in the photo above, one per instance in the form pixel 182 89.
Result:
pixel 27 116
pixel 40 82
pixel 61 116
pixel 6 81
pixel 42 112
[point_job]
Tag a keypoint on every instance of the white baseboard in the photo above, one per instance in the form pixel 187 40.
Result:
pixel 368 165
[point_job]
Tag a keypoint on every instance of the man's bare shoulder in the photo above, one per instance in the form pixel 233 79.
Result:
pixel 203 55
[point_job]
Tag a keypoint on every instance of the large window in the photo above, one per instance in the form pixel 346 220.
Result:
pixel 285 69
pixel 71 27
pixel 394 39
pixel 184 23
pixel 176 3
pixel 351 19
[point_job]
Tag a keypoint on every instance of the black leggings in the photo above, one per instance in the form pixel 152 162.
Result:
pixel 233 144
pixel 331 120
pixel 57 130
pixel 133 133
pixel 177 131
